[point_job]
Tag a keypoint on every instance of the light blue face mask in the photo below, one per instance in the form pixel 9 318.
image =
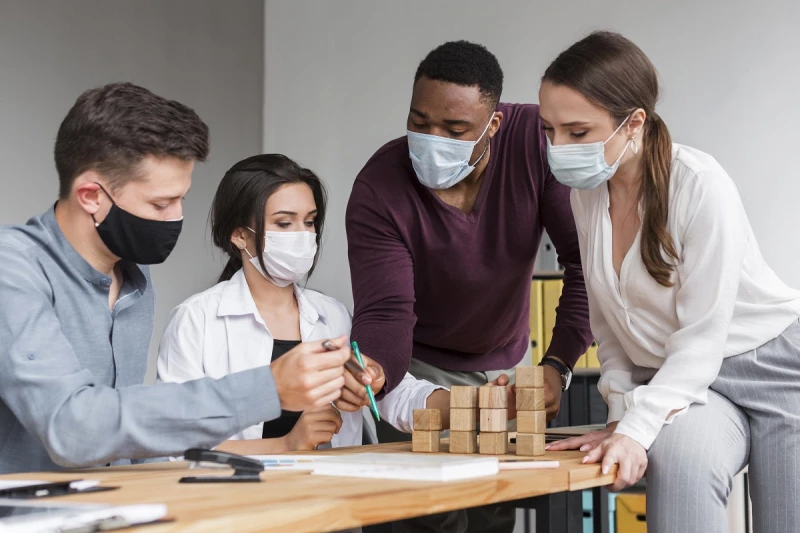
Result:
pixel 440 162
pixel 583 166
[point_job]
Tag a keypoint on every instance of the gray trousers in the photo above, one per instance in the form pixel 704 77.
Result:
pixel 752 417
pixel 488 519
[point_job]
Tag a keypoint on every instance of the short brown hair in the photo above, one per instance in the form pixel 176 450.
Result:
pixel 110 129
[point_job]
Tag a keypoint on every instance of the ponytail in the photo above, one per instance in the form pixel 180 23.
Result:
pixel 656 240
pixel 233 266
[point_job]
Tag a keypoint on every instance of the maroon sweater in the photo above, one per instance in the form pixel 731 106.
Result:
pixel 451 289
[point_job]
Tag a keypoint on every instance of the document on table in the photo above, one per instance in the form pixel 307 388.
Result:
pixel 415 467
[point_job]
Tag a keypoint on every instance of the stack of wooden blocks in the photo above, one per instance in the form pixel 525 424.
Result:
pixel 531 415
pixel 493 403
pixel 427 428
pixel 463 419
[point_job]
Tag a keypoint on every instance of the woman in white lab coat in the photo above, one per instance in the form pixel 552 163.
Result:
pixel 267 217
pixel 698 338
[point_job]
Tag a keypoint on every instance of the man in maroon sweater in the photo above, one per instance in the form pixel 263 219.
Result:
pixel 443 226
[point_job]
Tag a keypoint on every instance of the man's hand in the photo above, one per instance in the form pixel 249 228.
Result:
pixel 311 375
pixel 315 427
pixel 502 381
pixel 552 391
pixel 354 393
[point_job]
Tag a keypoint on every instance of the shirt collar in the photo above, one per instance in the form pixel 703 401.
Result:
pixel 236 300
pixel 87 271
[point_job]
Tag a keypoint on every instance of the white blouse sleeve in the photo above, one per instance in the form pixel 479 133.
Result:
pixel 715 233
pixel 180 352
pixel 398 406
pixel 615 365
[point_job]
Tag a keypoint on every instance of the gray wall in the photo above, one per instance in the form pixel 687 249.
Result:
pixel 207 54
pixel 339 74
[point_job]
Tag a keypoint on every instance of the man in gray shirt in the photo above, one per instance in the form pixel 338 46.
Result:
pixel 76 304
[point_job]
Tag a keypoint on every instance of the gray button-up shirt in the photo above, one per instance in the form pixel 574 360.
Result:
pixel 71 370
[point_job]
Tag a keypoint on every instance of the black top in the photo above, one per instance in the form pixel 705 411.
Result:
pixel 283 425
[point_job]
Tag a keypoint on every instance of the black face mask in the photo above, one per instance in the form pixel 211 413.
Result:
pixel 143 241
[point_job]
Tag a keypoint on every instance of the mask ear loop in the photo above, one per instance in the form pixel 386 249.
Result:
pixel 96 223
pixel 487 144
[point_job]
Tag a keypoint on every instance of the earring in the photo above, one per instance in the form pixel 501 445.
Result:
pixel 241 246
pixel 634 146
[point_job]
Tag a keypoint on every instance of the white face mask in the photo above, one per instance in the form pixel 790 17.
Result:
pixel 288 256
pixel 583 166
pixel 440 162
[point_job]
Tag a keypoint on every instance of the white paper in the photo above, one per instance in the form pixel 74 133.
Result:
pixel 417 467
pixel 18 483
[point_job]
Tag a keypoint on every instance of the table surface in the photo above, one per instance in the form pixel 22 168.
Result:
pixel 300 502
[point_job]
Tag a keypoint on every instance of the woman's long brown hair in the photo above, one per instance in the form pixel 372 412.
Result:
pixel 613 73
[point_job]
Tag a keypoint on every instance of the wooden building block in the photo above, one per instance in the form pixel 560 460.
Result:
pixel 493 397
pixel 463 397
pixel 494 420
pixel 425 441
pixel 493 443
pixel 530 377
pixel 530 444
pixel 530 400
pixel 463 441
pixel 463 419
pixel 531 421
pixel 427 420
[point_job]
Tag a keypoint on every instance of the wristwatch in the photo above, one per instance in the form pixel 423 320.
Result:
pixel 566 373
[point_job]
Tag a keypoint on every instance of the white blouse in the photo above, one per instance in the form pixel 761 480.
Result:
pixel 725 300
pixel 220 332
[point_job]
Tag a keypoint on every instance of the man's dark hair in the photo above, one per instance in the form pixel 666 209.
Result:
pixel 112 128
pixel 466 64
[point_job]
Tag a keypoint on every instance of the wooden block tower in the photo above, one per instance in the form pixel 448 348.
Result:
pixel 493 403
pixel 427 425
pixel 531 416
pixel 463 419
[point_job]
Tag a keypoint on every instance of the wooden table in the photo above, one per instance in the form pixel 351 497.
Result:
pixel 298 502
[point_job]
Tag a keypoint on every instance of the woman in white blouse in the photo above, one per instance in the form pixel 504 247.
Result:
pixel 268 215
pixel 698 338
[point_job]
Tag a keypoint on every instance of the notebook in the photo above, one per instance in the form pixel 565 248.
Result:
pixel 416 467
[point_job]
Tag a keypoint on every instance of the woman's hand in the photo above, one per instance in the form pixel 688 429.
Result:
pixel 354 393
pixel 583 443
pixel 314 427
pixel 624 451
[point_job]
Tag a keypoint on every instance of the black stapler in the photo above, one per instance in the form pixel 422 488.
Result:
pixel 245 470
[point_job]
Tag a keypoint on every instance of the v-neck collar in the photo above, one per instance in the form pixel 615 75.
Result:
pixel 614 280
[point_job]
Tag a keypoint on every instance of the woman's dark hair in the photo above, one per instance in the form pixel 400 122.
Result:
pixel 241 199
pixel 613 73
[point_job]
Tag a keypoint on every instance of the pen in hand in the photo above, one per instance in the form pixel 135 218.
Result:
pixel 373 405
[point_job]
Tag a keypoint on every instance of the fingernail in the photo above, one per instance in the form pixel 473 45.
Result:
pixel 584 447
pixel 584 460
pixel 605 469
pixel 547 447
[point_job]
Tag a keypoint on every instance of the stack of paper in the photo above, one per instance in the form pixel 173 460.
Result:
pixel 415 467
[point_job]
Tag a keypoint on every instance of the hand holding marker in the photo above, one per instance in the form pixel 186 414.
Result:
pixel 361 369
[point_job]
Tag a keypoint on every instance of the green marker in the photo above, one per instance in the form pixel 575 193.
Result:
pixel 373 406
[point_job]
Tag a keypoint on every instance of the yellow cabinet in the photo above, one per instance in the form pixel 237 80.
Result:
pixel 631 513
pixel 537 331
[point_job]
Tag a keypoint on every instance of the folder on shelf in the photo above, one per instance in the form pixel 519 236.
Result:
pixel 537 331
pixel 551 292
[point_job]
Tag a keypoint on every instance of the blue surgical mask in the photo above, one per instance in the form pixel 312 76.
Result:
pixel 583 166
pixel 440 162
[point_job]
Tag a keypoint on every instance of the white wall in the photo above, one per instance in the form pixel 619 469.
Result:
pixel 205 53
pixel 339 74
